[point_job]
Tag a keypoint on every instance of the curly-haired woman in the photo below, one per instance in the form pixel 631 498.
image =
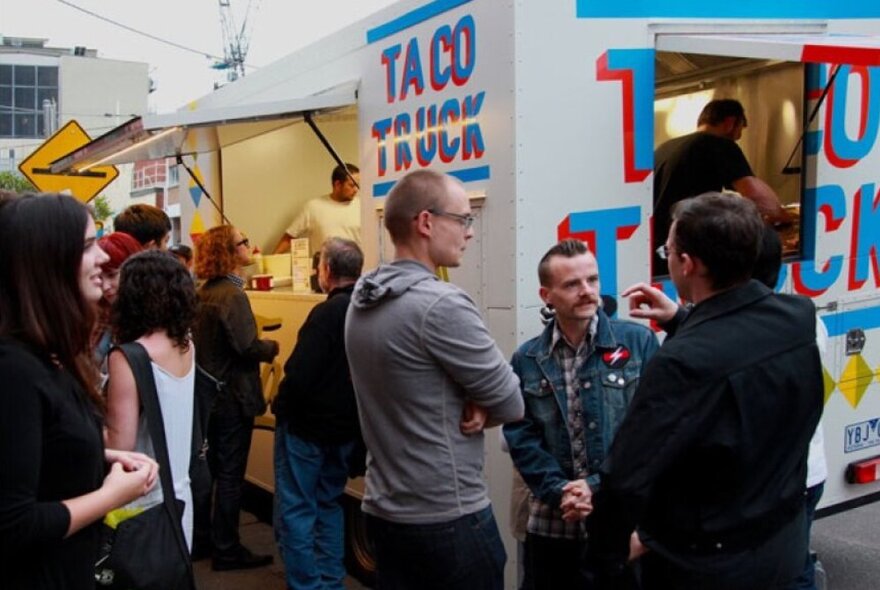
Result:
pixel 155 306
pixel 229 349
pixel 54 483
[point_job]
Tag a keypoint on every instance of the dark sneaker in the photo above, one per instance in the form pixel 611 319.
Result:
pixel 243 559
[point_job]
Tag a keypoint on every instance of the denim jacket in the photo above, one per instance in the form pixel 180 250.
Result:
pixel 539 443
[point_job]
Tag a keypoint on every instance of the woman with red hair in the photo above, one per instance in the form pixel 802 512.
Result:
pixel 118 246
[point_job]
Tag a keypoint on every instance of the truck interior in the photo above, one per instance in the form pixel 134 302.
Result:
pixel 781 78
pixel 772 94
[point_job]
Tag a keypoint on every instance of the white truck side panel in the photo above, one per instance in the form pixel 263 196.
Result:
pixel 547 113
pixel 569 148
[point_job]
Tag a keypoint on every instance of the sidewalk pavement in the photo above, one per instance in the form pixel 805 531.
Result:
pixel 259 538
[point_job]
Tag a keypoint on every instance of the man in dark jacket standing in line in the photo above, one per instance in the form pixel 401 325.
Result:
pixel 317 430
pixel 709 465
pixel 228 348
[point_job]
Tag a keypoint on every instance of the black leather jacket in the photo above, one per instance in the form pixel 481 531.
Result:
pixel 227 346
pixel 712 454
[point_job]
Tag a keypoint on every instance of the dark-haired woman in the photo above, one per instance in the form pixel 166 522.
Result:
pixel 54 484
pixel 155 306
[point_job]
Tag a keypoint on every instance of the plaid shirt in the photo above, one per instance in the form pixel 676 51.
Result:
pixel 545 520
pixel 236 280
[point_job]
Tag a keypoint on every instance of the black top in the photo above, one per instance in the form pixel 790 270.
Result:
pixel 688 166
pixel 713 451
pixel 316 397
pixel 50 450
pixel 227 347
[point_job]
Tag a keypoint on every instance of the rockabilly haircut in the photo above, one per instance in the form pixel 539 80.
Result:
pixel 716 111
pixel 145 222
pixel 724 231
pixel 568 248
pixel 215 253
pixel 156 292
pixel 182 251
pixel 343 257
pixel 770 259
pixel 339 175
pixel 41 302
pixel 118 246
pixel 416 192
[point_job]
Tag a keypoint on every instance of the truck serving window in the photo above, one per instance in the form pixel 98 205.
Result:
pixel 809 103
pixel 772 93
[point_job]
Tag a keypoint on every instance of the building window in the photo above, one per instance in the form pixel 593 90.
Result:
pixel 173 175
pixel 22 92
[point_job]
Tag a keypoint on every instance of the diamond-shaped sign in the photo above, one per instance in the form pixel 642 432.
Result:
pixel 83 185
pixel 829 383
pixel 855 379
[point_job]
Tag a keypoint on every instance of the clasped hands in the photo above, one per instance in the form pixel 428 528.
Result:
pixel 577 503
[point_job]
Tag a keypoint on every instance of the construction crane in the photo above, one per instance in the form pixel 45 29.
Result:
pixel 235 41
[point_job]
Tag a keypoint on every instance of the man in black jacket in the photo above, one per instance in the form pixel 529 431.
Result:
pixel 710 463
pixel 317 430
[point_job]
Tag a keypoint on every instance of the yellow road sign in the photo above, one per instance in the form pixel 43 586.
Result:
pixel 84 185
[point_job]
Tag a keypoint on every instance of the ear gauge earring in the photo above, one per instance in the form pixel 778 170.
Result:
pixel 547 314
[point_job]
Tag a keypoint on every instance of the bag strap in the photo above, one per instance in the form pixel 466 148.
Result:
pixel 139 361
pixel 202 410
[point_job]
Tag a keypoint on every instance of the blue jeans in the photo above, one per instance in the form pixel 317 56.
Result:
pixel 807 579
pixel 462 554
pixel 309 521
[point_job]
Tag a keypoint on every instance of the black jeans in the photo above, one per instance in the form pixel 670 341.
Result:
pixel 229 440
pixel 552 563
pixel 462 554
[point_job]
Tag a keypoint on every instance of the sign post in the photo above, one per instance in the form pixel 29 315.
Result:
pixel 82 185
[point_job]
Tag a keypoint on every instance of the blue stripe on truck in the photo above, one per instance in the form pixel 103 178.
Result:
pixel 382 189
pixel 413 17
pixel 739 9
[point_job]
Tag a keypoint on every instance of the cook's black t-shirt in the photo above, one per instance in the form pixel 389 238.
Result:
pixel 688 166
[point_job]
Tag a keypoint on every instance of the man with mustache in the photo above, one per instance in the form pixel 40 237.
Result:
pixel 577 379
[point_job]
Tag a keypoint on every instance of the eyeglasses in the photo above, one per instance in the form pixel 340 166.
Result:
pixel 663 252
pixel 245 242
pixel 465 220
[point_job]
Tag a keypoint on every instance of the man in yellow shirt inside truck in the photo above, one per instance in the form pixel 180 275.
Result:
pixel 335 215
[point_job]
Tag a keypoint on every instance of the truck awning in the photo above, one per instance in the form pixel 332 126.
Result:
pixel 859 50
pixel 189 132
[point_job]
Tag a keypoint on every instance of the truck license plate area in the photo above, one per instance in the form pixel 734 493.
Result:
pixel 862 435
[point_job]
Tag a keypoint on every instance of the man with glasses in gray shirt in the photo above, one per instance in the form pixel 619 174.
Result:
pixel 428 378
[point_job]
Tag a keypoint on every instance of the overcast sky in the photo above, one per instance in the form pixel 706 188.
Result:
pixel 277 27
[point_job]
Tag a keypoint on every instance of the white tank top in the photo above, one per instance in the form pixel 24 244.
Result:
pixel 176 401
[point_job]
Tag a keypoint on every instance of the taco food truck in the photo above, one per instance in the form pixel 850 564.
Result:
pixel 549 113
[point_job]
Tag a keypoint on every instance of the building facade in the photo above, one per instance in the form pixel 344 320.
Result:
pixel 44 87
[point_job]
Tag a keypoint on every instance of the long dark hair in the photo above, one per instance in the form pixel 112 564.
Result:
pixel 156 292
pixel 41 303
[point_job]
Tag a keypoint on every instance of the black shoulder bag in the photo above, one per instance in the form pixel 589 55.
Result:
pixel 147 551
